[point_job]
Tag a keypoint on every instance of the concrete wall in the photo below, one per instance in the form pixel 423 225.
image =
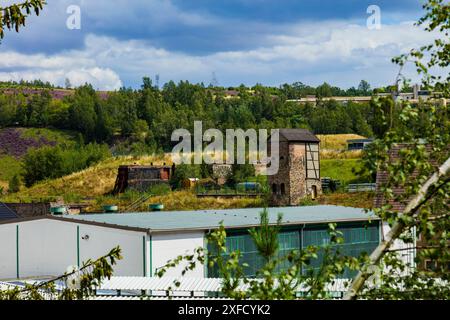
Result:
pixel 168 246
pixel 48 247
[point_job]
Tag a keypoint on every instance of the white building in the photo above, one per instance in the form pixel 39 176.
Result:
pixel 47 246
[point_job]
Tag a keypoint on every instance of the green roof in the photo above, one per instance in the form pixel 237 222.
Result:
pixel 232 218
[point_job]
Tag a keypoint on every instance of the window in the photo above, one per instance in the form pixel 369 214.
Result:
pixel 430 265
pixel 283 189
pixel 274 188
pixel 314 192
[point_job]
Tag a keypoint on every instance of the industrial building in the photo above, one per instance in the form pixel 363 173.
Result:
pixel 47 246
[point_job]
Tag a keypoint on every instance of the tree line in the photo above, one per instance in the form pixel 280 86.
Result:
pixel 145 118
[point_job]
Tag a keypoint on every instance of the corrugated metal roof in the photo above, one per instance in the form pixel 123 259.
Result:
pixel 6 213
pixel 232 218
pixel 197 285
pixel 138 298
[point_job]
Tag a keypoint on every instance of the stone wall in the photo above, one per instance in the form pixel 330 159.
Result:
pixel 26 210
pixel 297 173
pixel 292 174
pixel 282 177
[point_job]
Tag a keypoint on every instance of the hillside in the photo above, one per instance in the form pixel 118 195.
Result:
pixel 15 142
pixel 92 185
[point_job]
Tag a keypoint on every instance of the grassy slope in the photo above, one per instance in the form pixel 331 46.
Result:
pixel 60 136
pixel 91 182
pixel 98 180
pixel 94 182
pixel 10 166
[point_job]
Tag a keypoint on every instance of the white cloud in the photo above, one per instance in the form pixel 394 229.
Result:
pixel 333 51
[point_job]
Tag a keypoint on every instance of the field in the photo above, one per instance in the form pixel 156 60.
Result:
pixel 334 146
pixel 343 170
pixel 337 142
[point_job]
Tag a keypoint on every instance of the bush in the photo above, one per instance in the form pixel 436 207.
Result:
pixel 241 173
pixel 54 162
pixel 14 184
pixel 182 172
pixel 160 189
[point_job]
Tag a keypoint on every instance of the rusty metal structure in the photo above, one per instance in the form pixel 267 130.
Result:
pixel 141 178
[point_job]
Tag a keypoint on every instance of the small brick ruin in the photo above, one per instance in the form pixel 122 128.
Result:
pixel 141 178
pixel 299 168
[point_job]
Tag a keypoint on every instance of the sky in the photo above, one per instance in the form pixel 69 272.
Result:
pixel 234 41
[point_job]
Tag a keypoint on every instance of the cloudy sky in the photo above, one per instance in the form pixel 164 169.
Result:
pixel 240 41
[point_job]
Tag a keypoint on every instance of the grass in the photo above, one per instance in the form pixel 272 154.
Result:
pixel 343 170
pixel 337 142
pixel 59 136
pixel 334 146
pixel 89 183
pixel 357 200
pixel 180 201
pixel 9 166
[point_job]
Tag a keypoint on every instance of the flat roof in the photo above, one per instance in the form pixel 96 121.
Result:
pixel 232 218
pixel 359 140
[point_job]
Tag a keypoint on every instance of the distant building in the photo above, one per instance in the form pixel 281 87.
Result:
pixel 298 176
pixel 47 246
pixel 141 178
pixel 358 144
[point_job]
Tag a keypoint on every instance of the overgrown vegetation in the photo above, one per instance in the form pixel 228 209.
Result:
pixel 54 162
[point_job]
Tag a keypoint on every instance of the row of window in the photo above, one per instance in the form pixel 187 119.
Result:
pixel 357 240
pixel 279 189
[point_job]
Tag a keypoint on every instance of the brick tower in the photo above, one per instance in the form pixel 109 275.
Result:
pixel 299 168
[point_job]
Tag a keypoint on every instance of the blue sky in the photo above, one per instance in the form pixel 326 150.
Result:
pixel 241 41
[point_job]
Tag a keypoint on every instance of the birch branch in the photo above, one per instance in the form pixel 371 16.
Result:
pixel 397 229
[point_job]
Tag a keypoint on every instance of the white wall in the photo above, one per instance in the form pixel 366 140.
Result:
pixel 7 251
pixel 168 246
pixel 47 247
pixel 406 251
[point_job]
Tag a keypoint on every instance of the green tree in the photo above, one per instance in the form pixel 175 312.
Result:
pixel 14 16
pixel 14 184
pixel 364 87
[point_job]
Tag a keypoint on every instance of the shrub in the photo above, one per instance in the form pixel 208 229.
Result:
pixel 14 184
pixel 54 162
